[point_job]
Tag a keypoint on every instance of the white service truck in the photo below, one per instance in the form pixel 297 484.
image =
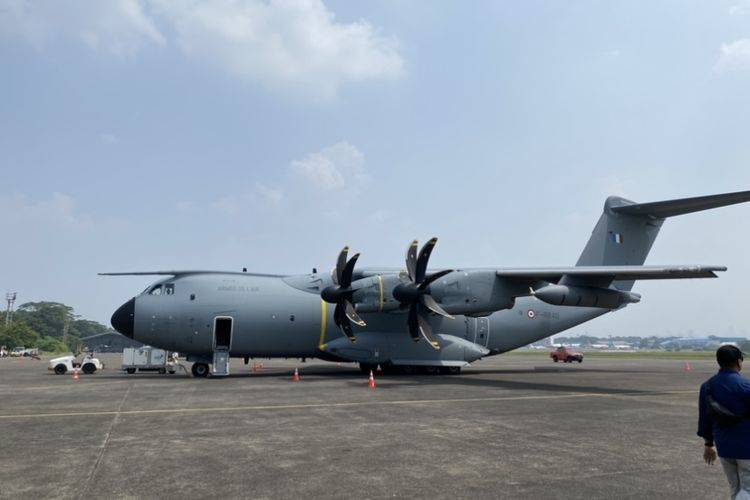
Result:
pixel 146 359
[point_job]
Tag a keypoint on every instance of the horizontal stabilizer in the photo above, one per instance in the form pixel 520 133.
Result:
pixel 671 208
pixel 597 274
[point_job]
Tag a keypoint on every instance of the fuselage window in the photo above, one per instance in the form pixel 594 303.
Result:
pixel 169 289
pixel 155 290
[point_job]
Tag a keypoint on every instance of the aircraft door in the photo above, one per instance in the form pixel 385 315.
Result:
pixel 478 330
pixel 483 331
pixel 223 326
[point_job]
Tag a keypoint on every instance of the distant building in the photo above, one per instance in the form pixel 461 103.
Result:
pixel 108 342
pixel 700 342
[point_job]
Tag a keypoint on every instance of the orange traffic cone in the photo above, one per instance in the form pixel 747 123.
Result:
pixel 687 367
pixel 371 382
pixel 76 375
pixel 295 377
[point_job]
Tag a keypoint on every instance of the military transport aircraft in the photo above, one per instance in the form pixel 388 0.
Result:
pixel 404 319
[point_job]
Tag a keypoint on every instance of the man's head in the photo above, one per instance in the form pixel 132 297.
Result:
pixel 729 356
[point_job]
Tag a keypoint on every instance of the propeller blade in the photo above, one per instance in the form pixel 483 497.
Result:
pixel 351 313
pixel 346 327
pixel 339 317
pixel 424 257
pixel 411 260
pixel 433 306
pixel 434 277
pixel 340 264
pixel 413 323
pixel 345 280
pixel 425 329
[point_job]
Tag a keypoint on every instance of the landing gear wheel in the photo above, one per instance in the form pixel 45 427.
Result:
pixel 200 370
pixel 61 369
pixel 130 370
pixel 88 368
pixel 450 370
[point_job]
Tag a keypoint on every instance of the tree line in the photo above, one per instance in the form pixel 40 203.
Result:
pixel 47 326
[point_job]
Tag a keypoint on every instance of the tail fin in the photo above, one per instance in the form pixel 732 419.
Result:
pixel 627 230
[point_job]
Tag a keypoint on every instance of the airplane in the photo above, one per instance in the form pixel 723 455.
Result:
pixel 410 319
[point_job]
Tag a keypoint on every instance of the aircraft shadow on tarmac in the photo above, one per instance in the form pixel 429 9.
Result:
pixel 475 378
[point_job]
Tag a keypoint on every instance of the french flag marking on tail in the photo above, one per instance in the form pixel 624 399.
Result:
pixel 617 238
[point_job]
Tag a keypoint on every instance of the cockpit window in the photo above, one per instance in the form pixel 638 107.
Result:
pixel 156 290
pixel 169 289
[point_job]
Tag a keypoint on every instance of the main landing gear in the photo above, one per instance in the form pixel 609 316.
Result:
pixel 200 369
pixel 410 370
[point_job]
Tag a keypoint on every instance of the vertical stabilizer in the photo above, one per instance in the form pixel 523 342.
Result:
pixel 627 230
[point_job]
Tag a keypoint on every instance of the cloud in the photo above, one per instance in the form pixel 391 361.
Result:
pixel 295 45
pixel 120 27
pixel 59 211
pixel 305 189
pixel 333 168
pixel 735 55
pixel 740 8
pixel 272 196
pixel 289 43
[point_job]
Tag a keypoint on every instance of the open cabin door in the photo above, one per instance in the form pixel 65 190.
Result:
pixel 223 328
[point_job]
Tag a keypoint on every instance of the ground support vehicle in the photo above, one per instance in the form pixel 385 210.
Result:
pixel 147 359
pixel 566 355
pixel 64 364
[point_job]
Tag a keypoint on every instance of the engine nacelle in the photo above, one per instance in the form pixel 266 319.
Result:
pixel 584 296
pixel 472 293
pixel 374 294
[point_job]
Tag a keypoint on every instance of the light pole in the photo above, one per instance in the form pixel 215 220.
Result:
pixel 11 298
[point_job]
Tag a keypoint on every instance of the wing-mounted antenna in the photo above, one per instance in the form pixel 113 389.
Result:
pixel 415 293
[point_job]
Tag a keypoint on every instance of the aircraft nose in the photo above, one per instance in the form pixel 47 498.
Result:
pixel 123 318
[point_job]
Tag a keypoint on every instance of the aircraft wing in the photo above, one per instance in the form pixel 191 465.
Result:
pixel 596 275
pixel 189 272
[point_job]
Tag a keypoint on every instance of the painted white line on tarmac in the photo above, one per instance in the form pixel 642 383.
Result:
pixel 353 404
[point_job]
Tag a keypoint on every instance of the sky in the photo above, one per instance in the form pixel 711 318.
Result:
pixel 140 135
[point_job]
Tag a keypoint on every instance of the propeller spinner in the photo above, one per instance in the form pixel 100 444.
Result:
pixel 340 293
pixel 416 292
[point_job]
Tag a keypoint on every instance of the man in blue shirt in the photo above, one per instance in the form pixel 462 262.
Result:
pixel 724 420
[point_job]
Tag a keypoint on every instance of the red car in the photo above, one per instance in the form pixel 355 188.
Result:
pixel 566 355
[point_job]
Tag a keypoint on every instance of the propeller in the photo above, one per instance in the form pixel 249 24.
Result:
pixel 416 292
pixel 340 293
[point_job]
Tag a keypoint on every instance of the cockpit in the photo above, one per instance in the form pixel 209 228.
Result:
pixel 159 289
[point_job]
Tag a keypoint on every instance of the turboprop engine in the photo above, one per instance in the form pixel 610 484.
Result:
pixel 416 291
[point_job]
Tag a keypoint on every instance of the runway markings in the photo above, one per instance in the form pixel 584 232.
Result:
pixel 103 448
pixel 352 404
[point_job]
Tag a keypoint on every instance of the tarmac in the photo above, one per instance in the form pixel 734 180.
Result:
pixel 512 427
